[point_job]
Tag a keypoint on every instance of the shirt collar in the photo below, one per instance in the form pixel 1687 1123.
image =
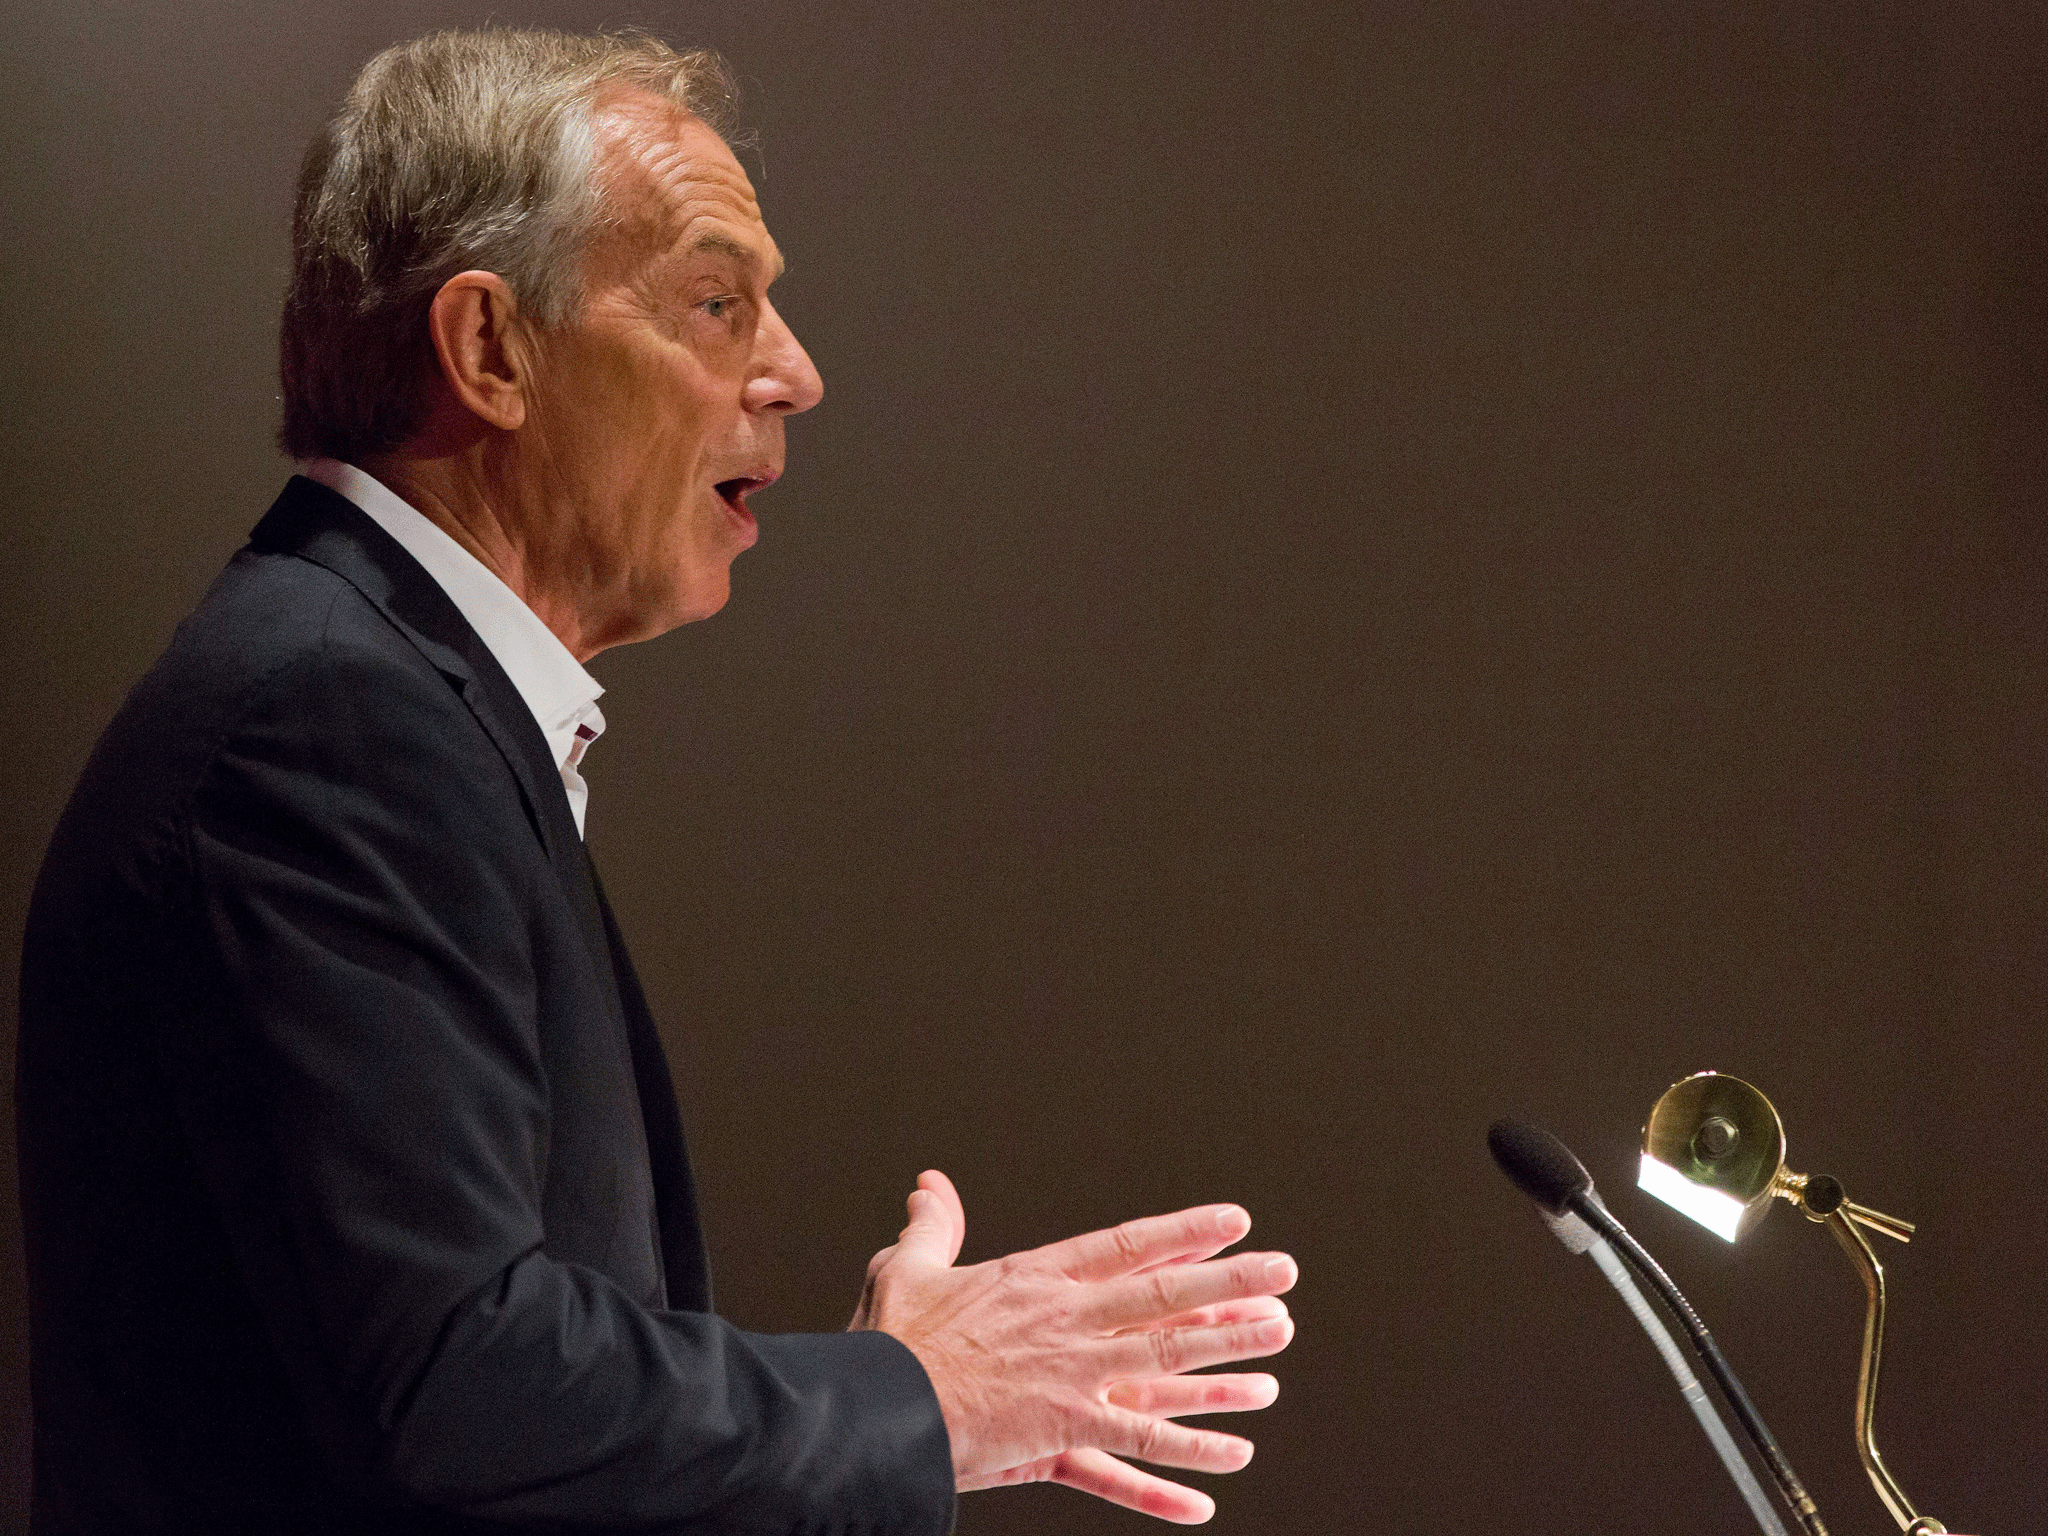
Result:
pixel 561 694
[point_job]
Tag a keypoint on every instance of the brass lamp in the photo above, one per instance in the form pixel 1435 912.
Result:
pixel 1715 1150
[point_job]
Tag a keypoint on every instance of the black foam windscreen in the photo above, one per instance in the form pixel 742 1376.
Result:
pixel 1542 1167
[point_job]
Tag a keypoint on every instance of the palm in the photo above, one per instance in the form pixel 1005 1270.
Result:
pixel 1049 1365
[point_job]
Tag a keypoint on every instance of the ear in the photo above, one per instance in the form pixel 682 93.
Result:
pixel 482 347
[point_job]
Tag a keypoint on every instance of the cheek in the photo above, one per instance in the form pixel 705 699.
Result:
pixel 666 423
pixel 644 452
pixel 631 392
pixel 633 415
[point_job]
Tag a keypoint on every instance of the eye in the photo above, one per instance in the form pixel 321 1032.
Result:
pixel 728 316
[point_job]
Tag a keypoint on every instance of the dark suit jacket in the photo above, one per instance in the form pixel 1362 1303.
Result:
pixel 354 1189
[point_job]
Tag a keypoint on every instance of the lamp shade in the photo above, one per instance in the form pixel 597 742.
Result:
pixel 1714 1148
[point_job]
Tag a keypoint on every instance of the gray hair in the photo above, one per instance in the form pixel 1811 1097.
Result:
pixel 458 151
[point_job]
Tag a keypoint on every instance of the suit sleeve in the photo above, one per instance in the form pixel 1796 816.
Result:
pixel 359 1071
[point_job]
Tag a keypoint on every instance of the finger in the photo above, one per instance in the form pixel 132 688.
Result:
pixel 1182 1288
pixel 937 1225
pixel 1101 1474
pixel 1170 1351
pixel 1144 1243
pixel 1039 1471
pixel 1208 1250
pixel 1169 1397
pixel 1249 1310
pixel 1167 1444
pixel 935 1181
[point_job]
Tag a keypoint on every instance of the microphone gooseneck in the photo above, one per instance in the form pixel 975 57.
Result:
pixel 1601 1220
pixel 1645 1312
pixel 1545 1170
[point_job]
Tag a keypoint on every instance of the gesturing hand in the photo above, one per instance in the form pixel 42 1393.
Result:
pixel 1052 1363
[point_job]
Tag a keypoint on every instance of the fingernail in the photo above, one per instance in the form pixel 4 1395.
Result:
pixel 1280 1271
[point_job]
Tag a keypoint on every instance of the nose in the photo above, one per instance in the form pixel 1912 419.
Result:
pixel 786 380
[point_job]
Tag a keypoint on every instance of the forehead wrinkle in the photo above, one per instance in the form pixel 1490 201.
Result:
pixel 657 183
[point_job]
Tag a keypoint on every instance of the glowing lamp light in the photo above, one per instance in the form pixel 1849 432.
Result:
pixel 1720 1214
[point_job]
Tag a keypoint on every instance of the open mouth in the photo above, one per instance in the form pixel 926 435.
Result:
pixel 738 490
pixel 734 493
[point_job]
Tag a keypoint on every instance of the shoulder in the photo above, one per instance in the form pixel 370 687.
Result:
pixel 287 683
pixel 271 623
pixel 302 679
pixel 274 622
pixel 289 732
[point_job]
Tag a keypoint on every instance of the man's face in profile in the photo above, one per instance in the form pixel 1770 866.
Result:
pixel 660 405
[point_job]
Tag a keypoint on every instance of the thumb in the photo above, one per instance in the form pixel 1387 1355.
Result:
pixel 937 1226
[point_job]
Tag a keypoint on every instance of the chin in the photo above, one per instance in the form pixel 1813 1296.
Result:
pixel 655 613
pixel 698 599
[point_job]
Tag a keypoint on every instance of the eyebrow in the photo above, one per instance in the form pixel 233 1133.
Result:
pixel 739 252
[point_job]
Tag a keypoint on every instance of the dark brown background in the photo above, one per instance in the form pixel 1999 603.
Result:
pixel 1363 568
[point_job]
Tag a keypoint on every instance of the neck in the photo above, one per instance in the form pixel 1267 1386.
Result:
pixel 463 495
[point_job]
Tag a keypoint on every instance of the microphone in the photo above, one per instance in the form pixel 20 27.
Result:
pixel 1545 1170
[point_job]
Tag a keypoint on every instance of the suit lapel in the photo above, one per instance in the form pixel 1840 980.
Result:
pixel 321 525
pixel 325 527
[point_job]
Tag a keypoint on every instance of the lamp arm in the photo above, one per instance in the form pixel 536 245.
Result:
pixel 1850 1235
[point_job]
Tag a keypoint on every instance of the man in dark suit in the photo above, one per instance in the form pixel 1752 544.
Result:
pixel 355 1192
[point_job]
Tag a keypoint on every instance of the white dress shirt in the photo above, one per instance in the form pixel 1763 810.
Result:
pixel 562 696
